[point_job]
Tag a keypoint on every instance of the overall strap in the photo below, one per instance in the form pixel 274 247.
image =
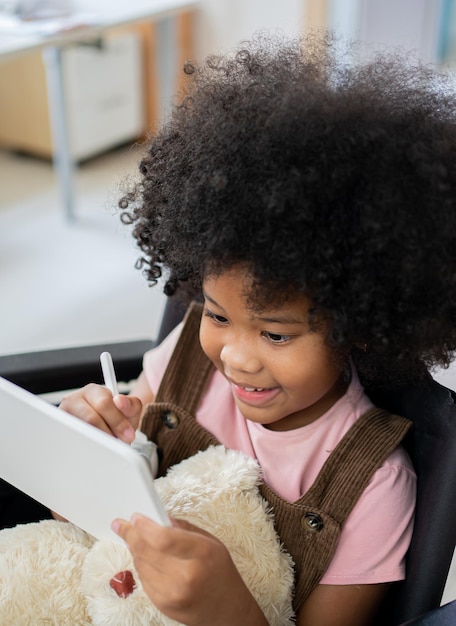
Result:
pixel 189 368
pixel 351 465
pixel 170 420
pixel 310 527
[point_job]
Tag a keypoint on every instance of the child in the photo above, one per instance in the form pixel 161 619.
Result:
pixel 311 203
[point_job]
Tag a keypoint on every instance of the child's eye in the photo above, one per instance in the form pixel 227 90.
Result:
pixel 276 338
pixel 213 316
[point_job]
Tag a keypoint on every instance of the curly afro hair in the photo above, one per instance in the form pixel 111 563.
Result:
pixel 322 176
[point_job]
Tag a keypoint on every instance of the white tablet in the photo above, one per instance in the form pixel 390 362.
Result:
pixel 75 469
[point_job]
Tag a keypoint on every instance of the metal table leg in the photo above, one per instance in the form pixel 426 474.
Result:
pixel 63 161
pixel 167 62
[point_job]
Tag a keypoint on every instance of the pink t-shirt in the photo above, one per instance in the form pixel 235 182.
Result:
pixel 377 533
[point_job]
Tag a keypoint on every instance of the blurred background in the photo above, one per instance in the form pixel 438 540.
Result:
pixel 70 279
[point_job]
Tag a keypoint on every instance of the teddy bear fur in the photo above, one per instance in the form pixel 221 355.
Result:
pixel 54 573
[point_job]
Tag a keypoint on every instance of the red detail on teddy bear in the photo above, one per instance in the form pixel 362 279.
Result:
pixel 123 583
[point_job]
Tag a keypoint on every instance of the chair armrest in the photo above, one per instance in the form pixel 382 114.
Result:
pixel 70 368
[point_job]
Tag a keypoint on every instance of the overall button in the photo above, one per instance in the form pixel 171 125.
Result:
pixel 170 419
pixel 312 522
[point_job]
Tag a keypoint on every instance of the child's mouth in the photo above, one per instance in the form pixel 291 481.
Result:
pixel 254 395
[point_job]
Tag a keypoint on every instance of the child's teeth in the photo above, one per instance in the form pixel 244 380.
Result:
pixel 254 388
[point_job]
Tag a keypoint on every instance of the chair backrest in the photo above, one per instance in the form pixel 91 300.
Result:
pixel 173 313
pixel 431 444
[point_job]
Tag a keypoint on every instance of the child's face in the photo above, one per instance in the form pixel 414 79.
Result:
pixel 282 375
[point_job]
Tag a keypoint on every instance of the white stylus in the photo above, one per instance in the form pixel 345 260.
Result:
pixel 109 375
pixel 141 444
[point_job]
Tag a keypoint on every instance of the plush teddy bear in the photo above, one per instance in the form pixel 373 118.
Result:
pixel 54 573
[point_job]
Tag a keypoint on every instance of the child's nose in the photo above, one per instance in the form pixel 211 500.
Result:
pixel 240 356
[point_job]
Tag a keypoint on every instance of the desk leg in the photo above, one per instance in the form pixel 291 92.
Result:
pixel 63 161
pixel 167 53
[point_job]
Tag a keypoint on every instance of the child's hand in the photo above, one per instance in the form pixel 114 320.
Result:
pixel 94 404
pixel 188 574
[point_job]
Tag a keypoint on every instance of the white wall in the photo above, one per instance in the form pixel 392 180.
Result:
pixel 412 24
pixel 224 23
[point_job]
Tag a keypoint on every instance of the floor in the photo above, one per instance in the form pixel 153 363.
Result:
pixel 66 284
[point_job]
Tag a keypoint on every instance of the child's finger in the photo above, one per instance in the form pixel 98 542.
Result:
pixel 94 405
pixel 120 527
pixel 102 402
pixel 181 541
pixel 131 407
pixel 130 533
pixel 142 531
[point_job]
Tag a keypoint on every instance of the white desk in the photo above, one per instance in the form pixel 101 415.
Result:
pixel 18 42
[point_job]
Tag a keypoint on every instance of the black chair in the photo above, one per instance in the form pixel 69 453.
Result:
pixel 431 445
